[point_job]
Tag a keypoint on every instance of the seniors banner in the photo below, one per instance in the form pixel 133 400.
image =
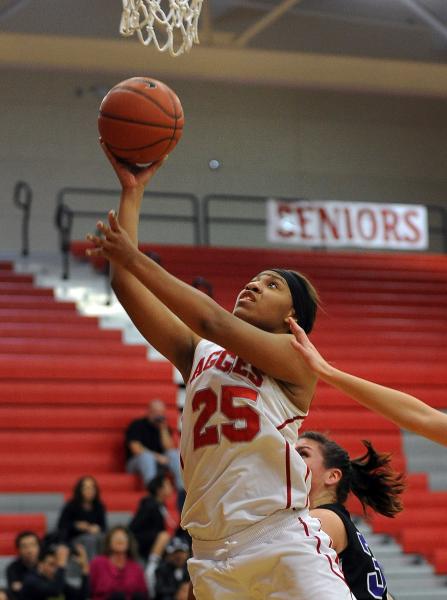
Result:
pixel 347 224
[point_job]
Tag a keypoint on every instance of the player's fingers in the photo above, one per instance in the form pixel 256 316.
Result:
pixel 104 229
pixel 113 221
pixel 94 252
pixel 95 239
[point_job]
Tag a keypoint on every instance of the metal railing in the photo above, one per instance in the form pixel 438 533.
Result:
pixel 22 199
pixel 66 214
pixel 209 220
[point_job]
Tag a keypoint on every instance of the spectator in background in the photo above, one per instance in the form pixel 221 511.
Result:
pixel 27 544
pixel 116 575
pixel 172 570
pixel 83 518
pixel 152 516
pixel 48 582
pixel 150 448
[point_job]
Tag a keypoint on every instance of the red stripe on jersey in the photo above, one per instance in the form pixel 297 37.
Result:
pixel 288 482
pixel 181 462
pixel 291 420
pixel 331 564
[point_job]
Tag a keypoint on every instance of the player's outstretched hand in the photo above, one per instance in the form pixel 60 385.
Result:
pixel 113 243
pixel 307 350
pixel 131 176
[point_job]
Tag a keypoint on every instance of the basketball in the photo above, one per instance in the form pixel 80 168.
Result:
pixel 141 120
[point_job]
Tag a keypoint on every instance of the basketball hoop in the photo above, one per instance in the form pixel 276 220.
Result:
pixel 175 26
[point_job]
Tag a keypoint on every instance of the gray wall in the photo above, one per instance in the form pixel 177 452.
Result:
pixel 270 142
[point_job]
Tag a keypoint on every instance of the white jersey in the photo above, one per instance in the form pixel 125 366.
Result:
pixel 237 446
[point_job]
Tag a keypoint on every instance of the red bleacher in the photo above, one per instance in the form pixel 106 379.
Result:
pixel 382 318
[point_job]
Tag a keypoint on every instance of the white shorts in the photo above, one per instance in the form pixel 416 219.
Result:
pixel 284 557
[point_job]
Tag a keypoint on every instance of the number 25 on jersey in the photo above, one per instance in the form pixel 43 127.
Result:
pixel 243 422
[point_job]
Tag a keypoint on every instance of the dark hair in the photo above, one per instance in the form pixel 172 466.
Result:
pixel 132 550
pixel 370 477
pixel 77 498
pixel 304 296
pixel 156 484
pixel 24 534
pixel 46 551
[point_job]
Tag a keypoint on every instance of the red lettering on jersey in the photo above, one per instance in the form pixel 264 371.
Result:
pixel 239 367
pixel 212 359
pixel 222 364
pixel 255 376
pixel 199 369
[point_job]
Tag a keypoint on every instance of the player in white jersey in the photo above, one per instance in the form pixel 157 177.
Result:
pixel 246 506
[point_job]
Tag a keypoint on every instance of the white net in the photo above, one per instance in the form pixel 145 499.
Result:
pixel 168 24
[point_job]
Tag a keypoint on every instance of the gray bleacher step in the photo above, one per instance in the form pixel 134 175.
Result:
pixel 118 518
pixel 30 502
pixel 438 481
pixel 408 571
pixel 433 594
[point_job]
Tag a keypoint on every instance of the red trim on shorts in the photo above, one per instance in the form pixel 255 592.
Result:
pixel 291 420
pixel 331 564
pixel 288 482
pixel 181 462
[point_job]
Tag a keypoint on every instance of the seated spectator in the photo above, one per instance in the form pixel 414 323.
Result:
pixel 172 570
pixel 150 448
pixel 152 516
pixel 83 518
pixel 116 575
pixel 27 544
pixel 48 582
pixel 3 595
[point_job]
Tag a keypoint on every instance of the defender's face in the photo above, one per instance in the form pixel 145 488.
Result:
pixel 265 302
pixel 310 452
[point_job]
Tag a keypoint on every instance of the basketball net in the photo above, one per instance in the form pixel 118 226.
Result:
pixel 176 26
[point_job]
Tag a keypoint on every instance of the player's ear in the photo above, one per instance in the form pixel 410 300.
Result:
pixel 333 476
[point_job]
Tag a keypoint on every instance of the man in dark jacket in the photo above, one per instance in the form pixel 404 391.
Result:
pixel 47 582
pixel 28 547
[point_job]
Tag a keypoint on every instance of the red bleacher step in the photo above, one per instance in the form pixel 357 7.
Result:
pixel 64 482
pixel 22 302
pixel 91 393
pixel 80 330
pixel 69 347
pixel 83 368
pixel 14 522
pixel 440 561
pixel 67 419
pixel 424 540
pixel 24 289
pixel 11 277
pixel 56 316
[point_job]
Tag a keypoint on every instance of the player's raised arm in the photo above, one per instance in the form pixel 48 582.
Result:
pixel 265 300
pixel 156 322
pixel 404 410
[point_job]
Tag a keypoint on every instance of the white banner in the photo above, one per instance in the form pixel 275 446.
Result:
pixel 348 224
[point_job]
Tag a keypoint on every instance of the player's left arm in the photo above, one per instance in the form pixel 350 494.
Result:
pixel 333 526
pixel 402 409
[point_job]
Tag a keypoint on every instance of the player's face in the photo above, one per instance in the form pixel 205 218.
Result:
pixel 265 302
pixel 310 452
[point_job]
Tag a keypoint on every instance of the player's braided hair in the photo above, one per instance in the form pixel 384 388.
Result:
pixel 370 477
